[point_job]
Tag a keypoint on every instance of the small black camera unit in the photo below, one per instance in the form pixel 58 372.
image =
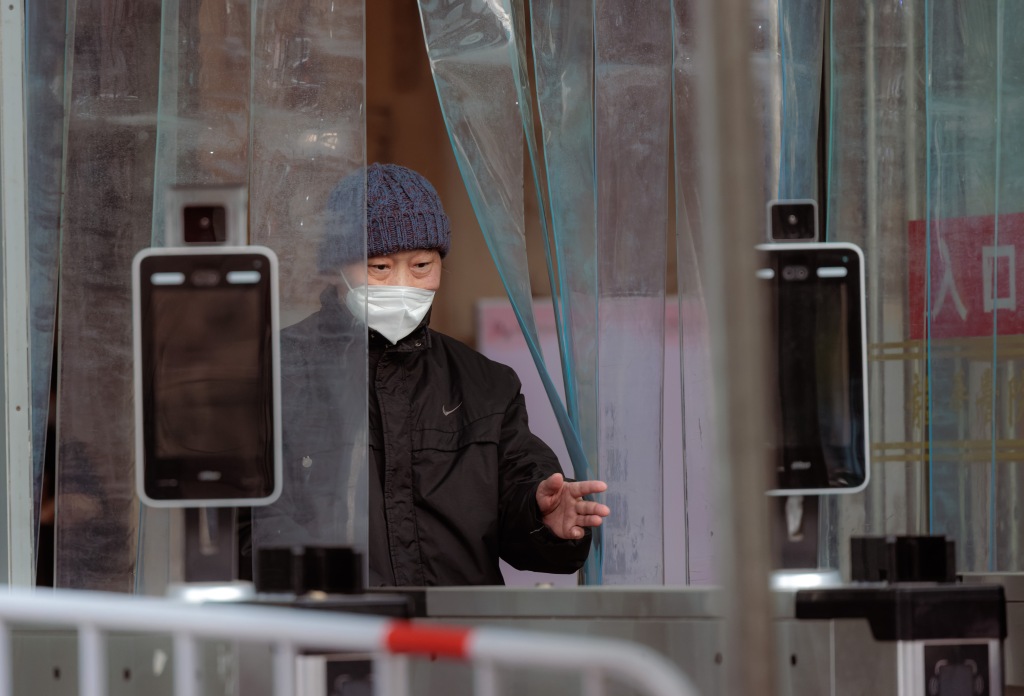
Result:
pixel 205 215
pixel 792 221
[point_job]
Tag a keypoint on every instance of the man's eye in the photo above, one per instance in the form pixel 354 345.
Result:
pixel 379 267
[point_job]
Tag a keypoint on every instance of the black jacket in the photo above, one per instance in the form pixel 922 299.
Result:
pixel 453 466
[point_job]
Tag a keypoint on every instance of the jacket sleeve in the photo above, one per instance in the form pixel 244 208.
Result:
pixel 525 460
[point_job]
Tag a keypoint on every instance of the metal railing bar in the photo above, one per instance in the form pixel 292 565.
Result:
pixel 185 664
pixel 284 669
pixel 485 679
pixel 390 641
pixel 92 661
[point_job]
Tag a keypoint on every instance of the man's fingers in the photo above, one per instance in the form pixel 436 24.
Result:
pixel 577 531
pixel 550 485
pixel 582 488
pixel 587 507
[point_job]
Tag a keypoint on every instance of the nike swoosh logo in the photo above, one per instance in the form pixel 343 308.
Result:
pixel 447 412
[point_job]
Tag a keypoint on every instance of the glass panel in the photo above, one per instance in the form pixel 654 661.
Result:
pixel 44 95
pixel 112 74
pixel 308 134
pixel 632 70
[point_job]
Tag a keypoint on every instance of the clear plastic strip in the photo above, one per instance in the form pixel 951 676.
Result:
pixel 202 137
pixel 44 103
pixel 307 134
pixel 695 355
pixel 801 24
pixel 472 52
pixel 876 163
pixel 964 181
pixel 563 59
pixel 537 175
pixel 632 68
pixel 112 69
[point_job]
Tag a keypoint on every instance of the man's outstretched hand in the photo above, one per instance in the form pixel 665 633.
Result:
pixel 563 509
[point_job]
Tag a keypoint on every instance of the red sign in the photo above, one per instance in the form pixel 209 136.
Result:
pixel 975 274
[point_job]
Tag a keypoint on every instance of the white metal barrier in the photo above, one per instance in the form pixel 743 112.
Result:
pixel 391 642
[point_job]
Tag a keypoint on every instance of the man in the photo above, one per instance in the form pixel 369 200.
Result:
pixel 456 478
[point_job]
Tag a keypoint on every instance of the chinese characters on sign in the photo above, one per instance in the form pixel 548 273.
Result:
pixel 974 276
pixel 969 269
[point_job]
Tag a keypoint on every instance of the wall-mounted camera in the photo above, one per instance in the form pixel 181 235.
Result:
pixel 207 215
pixel 792 221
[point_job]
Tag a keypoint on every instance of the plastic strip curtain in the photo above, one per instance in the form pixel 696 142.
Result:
pixel 476 63
pixel 112 58
pixel 563 58
pixel 695 337
pixel 801 35
pixel 786 55
pixel 875 187
pixel 298 72
pixel 632 67
pixel 202 138
pixel 974 226
pixel 44 94
pixel 308 132
pixel 203 121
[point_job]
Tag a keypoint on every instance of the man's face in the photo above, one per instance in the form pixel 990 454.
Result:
pixel 417 269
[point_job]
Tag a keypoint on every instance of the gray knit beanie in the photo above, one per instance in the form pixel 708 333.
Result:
pixel 403 213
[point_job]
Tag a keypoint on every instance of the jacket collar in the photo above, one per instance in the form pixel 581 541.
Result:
pixel 418 340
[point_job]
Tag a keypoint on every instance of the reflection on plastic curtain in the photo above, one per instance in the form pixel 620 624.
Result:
pixel 112 76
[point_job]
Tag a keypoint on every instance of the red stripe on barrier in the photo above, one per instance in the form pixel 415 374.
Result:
pixel 406 637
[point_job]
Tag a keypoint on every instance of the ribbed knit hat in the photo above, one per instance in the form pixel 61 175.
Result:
pixel 403 213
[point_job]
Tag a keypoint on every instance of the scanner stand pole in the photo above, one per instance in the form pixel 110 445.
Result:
pixel 211 544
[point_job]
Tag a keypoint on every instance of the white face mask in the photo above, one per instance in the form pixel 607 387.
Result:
pixel 393 311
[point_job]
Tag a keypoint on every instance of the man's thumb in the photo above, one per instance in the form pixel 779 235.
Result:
pixel 552 484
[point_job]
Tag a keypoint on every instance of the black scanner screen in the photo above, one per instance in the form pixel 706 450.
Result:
pixel 207 380
pixel 818 392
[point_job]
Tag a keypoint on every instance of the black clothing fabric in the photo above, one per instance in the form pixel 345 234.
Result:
pixel 453 466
